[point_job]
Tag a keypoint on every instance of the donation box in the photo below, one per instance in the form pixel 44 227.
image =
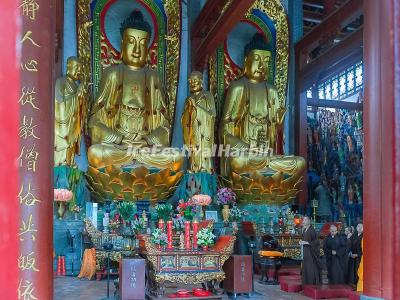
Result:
pixel 132 279
pixel 238 271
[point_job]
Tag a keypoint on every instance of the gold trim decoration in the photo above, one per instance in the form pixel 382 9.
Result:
pixel 84 24
pixel 132 185
pixel 189 277
pixel 173 41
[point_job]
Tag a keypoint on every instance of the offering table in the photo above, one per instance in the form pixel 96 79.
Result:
pixel 185 266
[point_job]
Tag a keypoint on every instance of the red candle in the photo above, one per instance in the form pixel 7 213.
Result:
pixel 195 230
pixel 169 234
pixel 187 235
pixel 161 224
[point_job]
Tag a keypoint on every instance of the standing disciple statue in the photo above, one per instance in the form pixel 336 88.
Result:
pixel 251 117
pixel 69 114
pixel 198 125
pixel 130 111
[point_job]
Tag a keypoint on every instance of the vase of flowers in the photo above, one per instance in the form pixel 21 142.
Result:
pixel 76 209
pixel 61 197
pixel 202 201
pixel 187 209
pixel 159 238
pixel 114 224
pixel 205 238
pixel 226 197
pixel 235 215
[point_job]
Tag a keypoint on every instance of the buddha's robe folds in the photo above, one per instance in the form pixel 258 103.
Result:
pixel 130 114
pixel 67 123
pixel 198 130
pixel 250 121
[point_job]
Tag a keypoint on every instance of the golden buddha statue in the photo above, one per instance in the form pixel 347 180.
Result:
pixel 69 106
pixel 198 124
pixel 130 112
pixel 251 117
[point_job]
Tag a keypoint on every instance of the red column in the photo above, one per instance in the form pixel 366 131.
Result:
pixel 382 158
pixel 9 86
pixel 35 161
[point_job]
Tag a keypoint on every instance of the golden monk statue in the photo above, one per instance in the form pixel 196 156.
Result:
pixel 251 117
pixel 198 124
pixel 129 111
pixel 69 110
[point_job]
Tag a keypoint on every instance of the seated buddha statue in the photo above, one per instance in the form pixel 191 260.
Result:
pixel 130 111
pixel 251 116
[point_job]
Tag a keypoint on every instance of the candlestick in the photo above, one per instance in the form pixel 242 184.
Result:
pixel 161 224
pixel 195 230
pixel 187 235
pixel 169 234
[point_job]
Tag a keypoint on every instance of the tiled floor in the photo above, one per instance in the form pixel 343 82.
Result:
pixel 76 289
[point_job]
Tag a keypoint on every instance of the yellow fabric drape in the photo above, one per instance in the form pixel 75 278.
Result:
pixel 88 268
pixel 360 283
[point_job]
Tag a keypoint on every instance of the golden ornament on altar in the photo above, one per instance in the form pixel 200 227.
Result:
pixel 251 118
pixel 198 124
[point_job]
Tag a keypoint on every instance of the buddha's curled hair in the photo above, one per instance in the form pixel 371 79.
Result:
pixel 258 42
pixel 135 21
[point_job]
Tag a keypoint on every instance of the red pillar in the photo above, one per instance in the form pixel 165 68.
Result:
pixel 382 157
pixel 9 86
pixel 35 161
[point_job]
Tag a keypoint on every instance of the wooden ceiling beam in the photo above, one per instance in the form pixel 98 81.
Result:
pixel 315 102
pixel 218 32
pixel 312 16
pixel 312 72
pixel 338 19
pixel 314 3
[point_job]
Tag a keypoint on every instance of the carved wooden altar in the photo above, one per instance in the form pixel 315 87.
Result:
pixel 185 266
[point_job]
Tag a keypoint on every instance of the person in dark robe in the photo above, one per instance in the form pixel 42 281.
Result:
pixel 311 265
pixel 335 252
pixel 355 255
pixel 348 237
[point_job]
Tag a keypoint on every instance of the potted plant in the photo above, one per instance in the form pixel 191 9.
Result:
pixel 126 210
pixel 164 211
pixel 225 198
pixel 159 238
pixel 235 215
pixel 205 238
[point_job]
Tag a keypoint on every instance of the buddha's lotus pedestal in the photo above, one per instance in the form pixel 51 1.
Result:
pixel 263 188
pixel 132 183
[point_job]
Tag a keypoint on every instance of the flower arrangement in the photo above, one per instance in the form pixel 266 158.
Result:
pixel 126 210
pixel 226 196
pixel 236 214
pixel 62 195
pixel 205 237
pixel 164 211
pixel 178 223
pixel 76 209
pixel 201 200
pixel 187 209
pixel 158 237
pixel 138 224
pixel 114 224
